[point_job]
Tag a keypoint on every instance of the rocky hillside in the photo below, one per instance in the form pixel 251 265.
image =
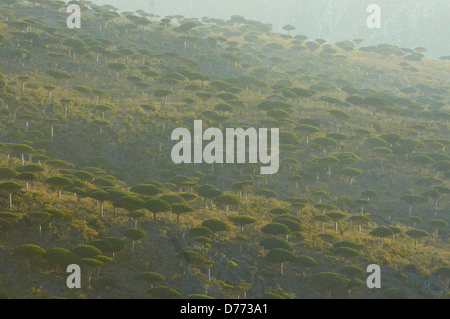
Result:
pixel 87 176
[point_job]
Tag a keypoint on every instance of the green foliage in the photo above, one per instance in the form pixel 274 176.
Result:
pixel 270 243
pixel 348 244
pixel 216 225
pixel 109 244
pixel 352 271
pixel 129 203
pixel 192 257
pixel 346 252
pixel 275 229
pixel 359 219
pixel 271 295
pixel 278 211
pixel 382 232
pixel 291 224
pixel 7 173
pixel 198 296
pixel 10 187
pixel 417 233
pixel 305 261
pixel 163 292
pixel 279 255
pixel 134 233
pixel 242 220
pixel 146 189
pixel 151 277
pixel 200 231
pixel 86 251
pixel 28 251
pixel 157 206
pixel 330 280
pixel 91 262
pixel 59 182
pixel 61 256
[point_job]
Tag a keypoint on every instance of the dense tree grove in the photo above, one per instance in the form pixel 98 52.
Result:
pixel 86 175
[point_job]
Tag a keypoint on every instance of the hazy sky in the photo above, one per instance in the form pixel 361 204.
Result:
pixel 406 23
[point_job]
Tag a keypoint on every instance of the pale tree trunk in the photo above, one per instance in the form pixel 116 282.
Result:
pixel 28 266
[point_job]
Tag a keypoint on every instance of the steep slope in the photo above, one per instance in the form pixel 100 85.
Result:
pixel 86 122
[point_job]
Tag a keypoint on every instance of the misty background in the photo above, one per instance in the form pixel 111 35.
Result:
pixel 405 23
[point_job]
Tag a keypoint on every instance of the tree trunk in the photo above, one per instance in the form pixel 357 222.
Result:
pixel 27 261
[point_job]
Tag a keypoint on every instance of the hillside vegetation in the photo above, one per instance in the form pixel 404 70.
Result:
pixel 86 175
